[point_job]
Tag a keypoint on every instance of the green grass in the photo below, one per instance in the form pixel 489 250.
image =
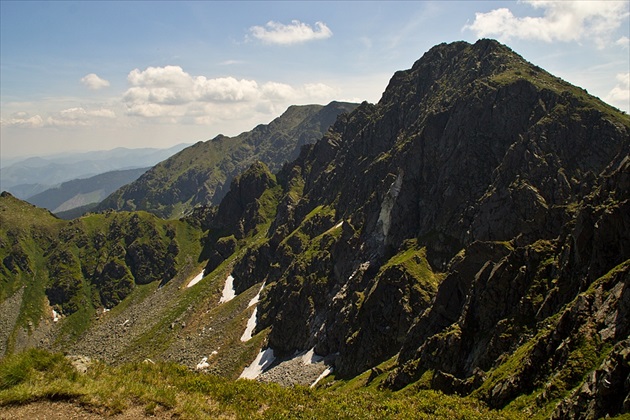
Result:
pixel 37 375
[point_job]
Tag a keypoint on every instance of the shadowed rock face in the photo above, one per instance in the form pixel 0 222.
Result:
pixel 451 223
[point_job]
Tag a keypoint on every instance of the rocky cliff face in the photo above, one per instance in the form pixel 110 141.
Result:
pixel 476 217
pixel 201 174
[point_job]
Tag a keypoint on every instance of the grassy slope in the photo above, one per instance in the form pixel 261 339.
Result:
pixel 40 253
pixel 37 375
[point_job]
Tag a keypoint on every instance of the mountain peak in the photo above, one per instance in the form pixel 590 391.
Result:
pixel 446 69
pixel 468 233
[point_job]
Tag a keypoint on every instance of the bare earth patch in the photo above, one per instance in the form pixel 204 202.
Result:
pixel 62 410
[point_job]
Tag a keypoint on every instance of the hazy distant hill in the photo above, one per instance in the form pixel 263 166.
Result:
pixel 34 175
pixel 81 192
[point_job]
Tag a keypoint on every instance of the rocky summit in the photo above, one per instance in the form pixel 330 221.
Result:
pixel 469 233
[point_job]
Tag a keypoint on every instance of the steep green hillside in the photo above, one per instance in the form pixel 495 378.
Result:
pixel 201 174
pixel 80 267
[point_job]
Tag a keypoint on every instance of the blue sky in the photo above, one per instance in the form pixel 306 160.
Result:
pixel 97 75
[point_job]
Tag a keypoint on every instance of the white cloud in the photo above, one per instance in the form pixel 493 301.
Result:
pixel 278 91
pixel 319 90
pixel 225 89
pixel 561 21
pixel 102 113
pixel 168 76
pixel 70 117
pixel 620 94
pixel 169 93
pixel 623 42
pixel 294 33
pixel 93 82
pixel 22 119
pixel 312 91
pixel 78 117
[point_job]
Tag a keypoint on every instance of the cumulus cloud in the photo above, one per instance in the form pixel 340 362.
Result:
pixel 78 117
pixel 294 33
pixel 278 91
pixel 70 117
pixel 23 119
pixel 319 90
pixel 170 92
pixel 561 21
pixel 93 82
pixel 225 89
pixel 623 42
pixel 168 76
pixel 620 94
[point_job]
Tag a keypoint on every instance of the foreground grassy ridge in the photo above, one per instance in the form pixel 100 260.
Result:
pixel 38 375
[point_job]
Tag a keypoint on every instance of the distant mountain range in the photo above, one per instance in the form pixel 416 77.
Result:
pixel 31 176
pixel 84 192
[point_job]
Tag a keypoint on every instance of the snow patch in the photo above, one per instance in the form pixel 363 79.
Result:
pixel 337 226
pixel 262 362
pixel 204 361
pixel 325 373
pixel 203 364
pixel 55 316
pixel 310 357
pixel 385 216
pixel 362 267
pixel 251 325
pixel 228 290
pixel 251 322
pixel 256 298
pixel 196 280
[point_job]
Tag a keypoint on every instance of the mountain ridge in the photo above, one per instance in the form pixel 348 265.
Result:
pixel 509 174
pixel 469 233
pixel 201 174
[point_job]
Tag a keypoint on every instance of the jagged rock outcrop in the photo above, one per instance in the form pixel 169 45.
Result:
pixel 606 389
